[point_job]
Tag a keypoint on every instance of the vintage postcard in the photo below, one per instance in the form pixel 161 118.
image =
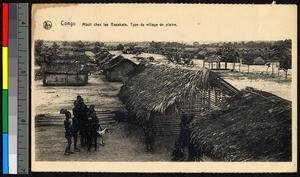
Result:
pixel 164 88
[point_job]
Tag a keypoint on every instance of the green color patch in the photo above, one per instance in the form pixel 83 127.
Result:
pixel 5 111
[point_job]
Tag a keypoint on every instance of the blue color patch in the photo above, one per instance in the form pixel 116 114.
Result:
pixel 5 153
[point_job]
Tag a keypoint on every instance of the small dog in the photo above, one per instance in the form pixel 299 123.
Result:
pixel 101 134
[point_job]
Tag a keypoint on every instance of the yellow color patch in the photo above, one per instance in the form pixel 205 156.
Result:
pixel 4 68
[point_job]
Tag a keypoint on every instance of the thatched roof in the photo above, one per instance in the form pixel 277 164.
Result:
pixel 114 60
pixel 251 126
pixel 122 60
pixel 72 58
pixel 101 55
pixel 154 88
pixel 138 69
pixel 64 68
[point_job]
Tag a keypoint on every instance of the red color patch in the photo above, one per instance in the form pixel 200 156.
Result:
pixel 5 24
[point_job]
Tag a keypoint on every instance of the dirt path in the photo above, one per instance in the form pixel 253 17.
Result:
pixel 124 142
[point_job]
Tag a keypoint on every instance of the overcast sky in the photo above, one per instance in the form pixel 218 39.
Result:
pixel 194 22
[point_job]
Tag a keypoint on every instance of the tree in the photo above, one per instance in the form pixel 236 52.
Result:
pixel 285 64
pixel 228 54
pixel 51 53
pixel 55 48
pixel 65 43
pixel 170 57
pixel 281 50
pixel 79 47
pixel 177 58
pixel 38 50
pixel 99 44
pixel 120 47
pixel 247 58
pixel 38 47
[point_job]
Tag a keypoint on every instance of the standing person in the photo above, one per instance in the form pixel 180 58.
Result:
pixel 76 125
pixel 184 131
pixel 82 115
pixel 95 126
pixel 185 134
pixel 177 154
pixel 149 136
pixel 89 132
pixel 68 131
pixel 92 113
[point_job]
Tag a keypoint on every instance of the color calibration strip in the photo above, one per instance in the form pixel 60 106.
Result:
pixel 5 153
pixel 13 88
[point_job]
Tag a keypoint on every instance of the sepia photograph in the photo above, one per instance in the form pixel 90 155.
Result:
pixel 195 91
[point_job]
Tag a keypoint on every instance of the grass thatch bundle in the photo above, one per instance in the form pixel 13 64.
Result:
pixel 251 126
pixel 64 68
pixel 154 88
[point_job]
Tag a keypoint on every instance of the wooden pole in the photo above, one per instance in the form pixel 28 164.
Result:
pixel 203 101
pixel 216 98
pixel 209 100
pixel 272 68
pixel 233 65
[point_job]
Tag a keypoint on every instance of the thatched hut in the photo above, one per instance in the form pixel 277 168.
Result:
pixel 110 62
pixel 162 93
pixel 105 59
pixel 69 74
pixel 118 71
pixel 101 55
pixel 250 126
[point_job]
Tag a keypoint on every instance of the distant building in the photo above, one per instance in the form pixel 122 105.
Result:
pixel 65 75
pixel 119 70
pixel 110 61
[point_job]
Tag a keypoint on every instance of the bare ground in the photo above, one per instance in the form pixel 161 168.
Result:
pixel 124 142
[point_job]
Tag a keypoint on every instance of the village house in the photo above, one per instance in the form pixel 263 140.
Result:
pixel 65 74
pixel 252 125
pixel 117 72
pixel 110 61
pixel 161 94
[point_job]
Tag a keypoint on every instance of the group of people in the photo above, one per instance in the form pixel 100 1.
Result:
pixel 84 123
